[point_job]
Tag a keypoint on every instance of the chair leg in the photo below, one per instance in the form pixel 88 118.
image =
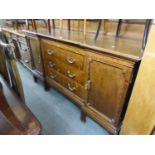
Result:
pixel 98 29
pixel 53 23
pixel 69 25
pixel 49 25
pixel 118 27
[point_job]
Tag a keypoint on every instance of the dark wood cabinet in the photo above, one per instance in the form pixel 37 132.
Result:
pixel 27 50
pixel 22 50
pixel 25 54
pixel 34 45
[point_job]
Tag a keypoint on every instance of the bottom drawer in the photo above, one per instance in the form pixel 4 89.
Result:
pixel 25 57
pixel 67 83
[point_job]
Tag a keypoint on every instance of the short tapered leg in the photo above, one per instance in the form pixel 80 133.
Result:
pixel 83 116
pixel 35 78
pixel 46 86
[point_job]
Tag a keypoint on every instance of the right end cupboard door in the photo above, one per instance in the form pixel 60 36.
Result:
pixel 108 88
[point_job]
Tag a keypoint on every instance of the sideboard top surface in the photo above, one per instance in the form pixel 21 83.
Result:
pixel 122 47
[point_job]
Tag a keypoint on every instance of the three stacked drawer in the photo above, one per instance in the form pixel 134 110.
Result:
pixel 65 65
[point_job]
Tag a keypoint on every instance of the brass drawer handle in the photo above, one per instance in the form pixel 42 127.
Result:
pixel 50 52
pixel 71 88
pixel 26 61
pixel 51 64
pixel 71 75
pixel 53 76
pixel 112 120
pixel 70 60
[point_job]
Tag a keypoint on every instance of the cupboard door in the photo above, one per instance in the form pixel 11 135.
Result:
pixel 107 89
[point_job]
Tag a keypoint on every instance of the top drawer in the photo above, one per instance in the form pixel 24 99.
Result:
pixel 67 54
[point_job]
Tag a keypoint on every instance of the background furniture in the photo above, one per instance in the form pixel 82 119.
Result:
pixel 35 48
pixel 27 51
pixel 22 50
pixel 11 70
pixel 15 117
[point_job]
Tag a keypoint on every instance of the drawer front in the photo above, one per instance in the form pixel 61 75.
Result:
pixel 25 55
pixel 67 83
pixel 69 71
pixel 67 56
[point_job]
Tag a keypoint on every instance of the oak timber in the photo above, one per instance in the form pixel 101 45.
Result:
pixel 140 115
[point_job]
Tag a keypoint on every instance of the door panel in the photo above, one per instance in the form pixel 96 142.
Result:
pixel 106 90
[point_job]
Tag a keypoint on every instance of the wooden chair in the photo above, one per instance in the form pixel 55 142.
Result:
pixel 100 22
pixel 33 24
pixel 11 70
pixel 15 117
pixel 145 34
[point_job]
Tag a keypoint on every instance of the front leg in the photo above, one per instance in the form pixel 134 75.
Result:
pixel 46 86
pixel 35 79
pixel 83 116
